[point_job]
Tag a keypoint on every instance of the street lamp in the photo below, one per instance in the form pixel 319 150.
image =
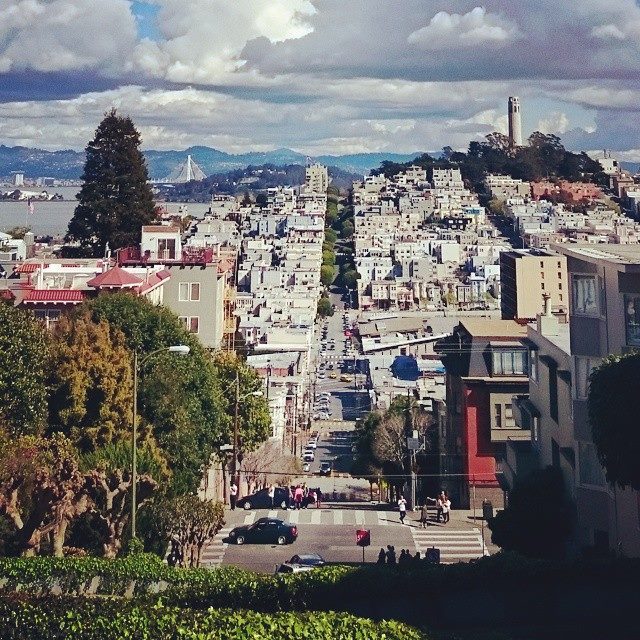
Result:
pixel 179 349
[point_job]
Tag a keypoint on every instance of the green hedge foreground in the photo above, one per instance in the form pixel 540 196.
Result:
pixel 29 618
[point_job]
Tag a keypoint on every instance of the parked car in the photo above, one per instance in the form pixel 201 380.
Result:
pixel 261 500
pixel 325 468
pixel 265 531
pixel 308 456
pixel 312 444
pixel 333 375
pixel 306 467
pixel 298 563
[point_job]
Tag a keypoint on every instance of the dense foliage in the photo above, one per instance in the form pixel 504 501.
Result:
pixel 115 199
pixel 538 519
pixel 614 407
pixel 542 157
pixel 23 618
pixel 24 364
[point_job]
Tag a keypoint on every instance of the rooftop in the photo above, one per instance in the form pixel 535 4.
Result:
pixel 160 228
pixel 624 254
pixel 493 328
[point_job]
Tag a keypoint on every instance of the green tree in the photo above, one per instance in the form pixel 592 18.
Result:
pixel 614 407
pixel 327 274
pixel 24 363
pixel 179 397
pixel 91 382
pixel 330 236
pixel 350 279
pixel 328 257
pixel 189 523
pixel 347 229
pixel 115 199
pixel 539 518
pixel 325 309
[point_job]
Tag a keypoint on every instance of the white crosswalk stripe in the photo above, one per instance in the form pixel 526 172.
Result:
pixel 213 553
pixel 454 545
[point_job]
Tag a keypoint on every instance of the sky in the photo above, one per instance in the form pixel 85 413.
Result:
pixel 320 76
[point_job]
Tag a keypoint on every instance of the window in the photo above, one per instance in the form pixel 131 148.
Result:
pixel 553 391
pixel 632 319
pixel 590 468
pixel 583 368
pixel 509 363
pixel 542 286
pixel 585 295
pixel 191 323
pixel 533 365
pixel 189 292
pixel 167 249
pixel 498 408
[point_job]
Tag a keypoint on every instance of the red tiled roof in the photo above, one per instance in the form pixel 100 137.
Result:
pixel 29 267
pixel 116 278
pixel 54 295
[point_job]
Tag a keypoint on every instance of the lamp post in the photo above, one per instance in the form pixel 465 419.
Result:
pixel 180 349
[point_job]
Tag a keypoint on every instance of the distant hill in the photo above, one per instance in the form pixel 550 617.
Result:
pixel 68 163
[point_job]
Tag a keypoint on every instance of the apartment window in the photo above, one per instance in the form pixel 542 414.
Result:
pixel 560 277
pixel 509 363
pixel 542 286
pixel 632 319
pixel 167 249
pixel 560 297
pixel 553 391
pixel 189 292
pixel 591 472
pixel 533 365
pixel 498 408
pixel 585 295
pixel 541 264
pixel 583 368
pixel 542 275
pixel 509 422
pixel 191 323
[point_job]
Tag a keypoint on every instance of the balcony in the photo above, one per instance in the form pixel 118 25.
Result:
pixel 130 256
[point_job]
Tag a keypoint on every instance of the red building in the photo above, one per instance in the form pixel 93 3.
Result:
pixel 486 363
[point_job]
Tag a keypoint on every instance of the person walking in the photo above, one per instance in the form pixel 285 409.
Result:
pixel 424 515
pixel 402 507
pixel 446 509
pixel 233 495
pixel 318 497
pixel 272 494
pixel 391 554
pixel 297 497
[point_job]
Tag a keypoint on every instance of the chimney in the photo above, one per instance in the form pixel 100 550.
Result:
pixel 548 324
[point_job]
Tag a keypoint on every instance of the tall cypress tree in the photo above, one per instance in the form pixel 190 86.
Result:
pixel 115 199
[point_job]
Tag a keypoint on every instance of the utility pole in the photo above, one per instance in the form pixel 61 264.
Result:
pixel 235 433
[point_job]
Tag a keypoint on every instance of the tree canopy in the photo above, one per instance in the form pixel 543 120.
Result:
pixel 325 309
pixel 115 199
pixel 614 407
pixel 24 364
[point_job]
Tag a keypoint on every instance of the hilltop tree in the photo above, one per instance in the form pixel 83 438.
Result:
pixel 24 359
pixel 115 199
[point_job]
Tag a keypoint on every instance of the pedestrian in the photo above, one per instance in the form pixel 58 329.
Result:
pixel 403 557
pixel 416 558
pixel 391 554
pixel 233 495
pixel 305 496
pixel 272 495
pixel 289 491
pixel 424 515
pixel 318 497
pixel 446 509
pixel 402 506
pixel 297 497
pixel 382 556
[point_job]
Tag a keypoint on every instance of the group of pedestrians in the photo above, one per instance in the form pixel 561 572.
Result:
pixel 443 509
pixel 388 557
pixel 298 497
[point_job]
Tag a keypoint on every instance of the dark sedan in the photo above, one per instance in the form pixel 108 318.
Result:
pixel 265 531
pixel 303 562
pixel 261 500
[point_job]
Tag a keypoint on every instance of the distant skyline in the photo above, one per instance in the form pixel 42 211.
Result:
pixel 320 76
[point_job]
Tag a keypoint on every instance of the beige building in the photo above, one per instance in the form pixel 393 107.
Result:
pixel 526 278
pixel 316 178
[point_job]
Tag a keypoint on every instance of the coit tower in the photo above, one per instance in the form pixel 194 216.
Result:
pixel 515 123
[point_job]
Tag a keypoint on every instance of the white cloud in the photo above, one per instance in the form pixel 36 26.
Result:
pixel 61 35
pixel 607 32
pixel 556 122
pixel 467 30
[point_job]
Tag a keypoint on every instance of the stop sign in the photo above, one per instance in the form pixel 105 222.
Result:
pixel 363 537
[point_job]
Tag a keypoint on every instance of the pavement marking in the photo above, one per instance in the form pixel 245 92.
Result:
pixel 360 517
pixel 250 517
pixel 382 521
pixel 337 516
pixel 213 553
pixel 454 545
pixel 316 516
pixel 294 517
pixel 273 513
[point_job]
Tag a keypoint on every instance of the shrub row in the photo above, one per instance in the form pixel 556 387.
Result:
pixel 333 587
pixel 30 618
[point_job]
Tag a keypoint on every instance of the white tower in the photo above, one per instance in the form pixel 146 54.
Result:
pixel 515 122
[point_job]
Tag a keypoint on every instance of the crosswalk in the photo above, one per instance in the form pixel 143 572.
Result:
pixel 213 553
pixel 454 545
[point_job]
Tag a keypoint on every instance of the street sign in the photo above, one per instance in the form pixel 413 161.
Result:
pixel 433 555
pixel 363 537
pixel 413 444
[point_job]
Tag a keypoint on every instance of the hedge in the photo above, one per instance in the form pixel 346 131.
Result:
pixel 333 587
pixel 50 618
